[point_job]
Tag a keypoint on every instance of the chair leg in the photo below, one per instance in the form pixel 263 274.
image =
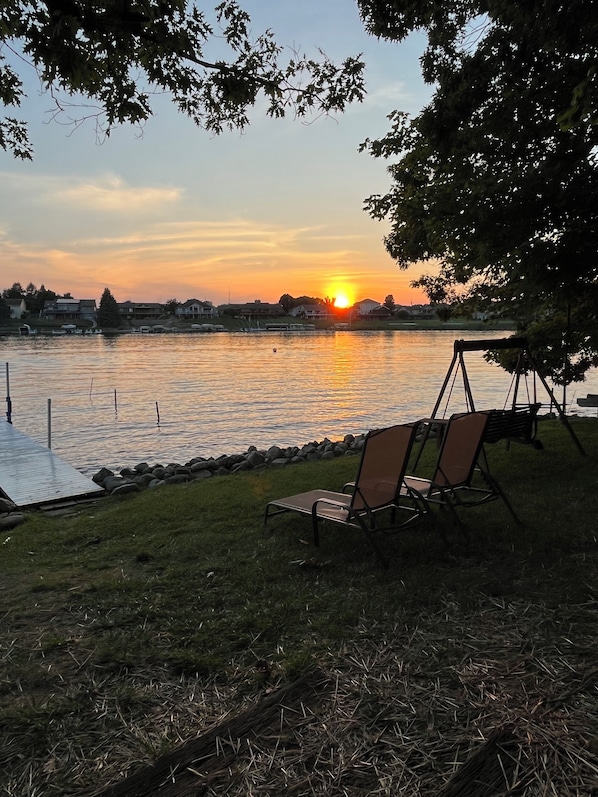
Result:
pixel 366 531
pixel 516 517
pixel 436 524
pixel 448 506
pixel 499 491
pixel 381 558
pixel 271 511
pixel 316 529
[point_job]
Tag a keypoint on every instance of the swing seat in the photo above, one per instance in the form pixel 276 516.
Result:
pixel 518 424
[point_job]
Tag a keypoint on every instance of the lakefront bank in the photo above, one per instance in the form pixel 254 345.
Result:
pixel 226 323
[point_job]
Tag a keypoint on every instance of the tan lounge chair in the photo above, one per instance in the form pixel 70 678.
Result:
pixel 461 477
pixel 378 487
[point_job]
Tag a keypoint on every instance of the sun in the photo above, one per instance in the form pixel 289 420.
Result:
pixel 341 300
pixel 341 293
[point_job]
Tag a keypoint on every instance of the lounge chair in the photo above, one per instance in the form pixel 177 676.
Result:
pixel 378 487
pixel 461 477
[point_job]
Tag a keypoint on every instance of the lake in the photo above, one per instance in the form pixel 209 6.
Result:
pixel 116 401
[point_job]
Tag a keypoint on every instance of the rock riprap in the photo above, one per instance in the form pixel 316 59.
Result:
pixel 145 476
pixel 10 517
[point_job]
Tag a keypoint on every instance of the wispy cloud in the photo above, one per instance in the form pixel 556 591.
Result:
pixel 108 193
pixel 224 239
pixel 203 259
pixel 112 194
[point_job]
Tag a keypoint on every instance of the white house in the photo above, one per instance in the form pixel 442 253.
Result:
pixel 17 307
pixel 194 308
pixel 311 312
pixel 365 306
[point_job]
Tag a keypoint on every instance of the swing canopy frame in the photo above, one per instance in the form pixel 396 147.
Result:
pixel 518 422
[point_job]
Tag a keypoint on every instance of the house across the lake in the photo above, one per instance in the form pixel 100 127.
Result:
pixel 312 312
pixel 140 311
pixel 69 309
pixel 256 309
pixel 194 309
pixel 17 307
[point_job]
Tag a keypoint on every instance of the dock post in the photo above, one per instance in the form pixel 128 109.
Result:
pixel 49 423
pixel 8 399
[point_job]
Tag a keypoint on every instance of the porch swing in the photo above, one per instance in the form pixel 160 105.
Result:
pixel 515 422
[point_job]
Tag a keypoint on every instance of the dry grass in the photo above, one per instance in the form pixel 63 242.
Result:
pixel 407 706
pixel 400 720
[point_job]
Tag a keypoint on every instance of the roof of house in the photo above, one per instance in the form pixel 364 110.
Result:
pixel 257 304
pixel 189 302
pixel 320 307
pixel 129 303
pixel 365 301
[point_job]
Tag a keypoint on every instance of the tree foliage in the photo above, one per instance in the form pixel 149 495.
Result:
pixel 117 53
pixel 35 298
pixel 170 306
pixel 289 302
pixel 108 315
pixel 496 177
pixel 389 303
pixel 563 343
pixel 14 292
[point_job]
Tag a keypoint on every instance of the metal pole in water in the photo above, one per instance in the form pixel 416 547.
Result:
pixel 158 413
pixel 8 400
pixel 49 423
pixel 115 402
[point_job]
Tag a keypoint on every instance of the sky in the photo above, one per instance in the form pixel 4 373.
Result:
pixel 175 212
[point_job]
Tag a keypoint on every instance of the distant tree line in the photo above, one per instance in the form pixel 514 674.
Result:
pixel 289 302
pixel 34 297
pixel 108 315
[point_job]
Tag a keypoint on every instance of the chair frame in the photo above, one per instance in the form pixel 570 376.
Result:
pixel 357 509
pixel 450 492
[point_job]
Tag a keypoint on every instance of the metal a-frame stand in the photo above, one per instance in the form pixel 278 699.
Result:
pixel 525 364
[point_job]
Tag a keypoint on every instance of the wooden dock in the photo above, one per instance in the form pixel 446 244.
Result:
pixel 591 400
pixel 31 474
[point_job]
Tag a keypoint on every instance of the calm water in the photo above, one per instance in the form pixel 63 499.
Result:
pixel 220 393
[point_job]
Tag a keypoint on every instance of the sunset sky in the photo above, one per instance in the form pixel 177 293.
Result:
pixel 178 213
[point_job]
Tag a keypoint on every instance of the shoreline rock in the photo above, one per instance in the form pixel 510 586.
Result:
pixel 144 476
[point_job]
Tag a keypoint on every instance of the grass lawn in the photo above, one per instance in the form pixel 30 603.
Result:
pixel 132 625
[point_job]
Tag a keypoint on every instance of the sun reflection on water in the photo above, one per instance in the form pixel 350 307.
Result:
pixel 168 398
